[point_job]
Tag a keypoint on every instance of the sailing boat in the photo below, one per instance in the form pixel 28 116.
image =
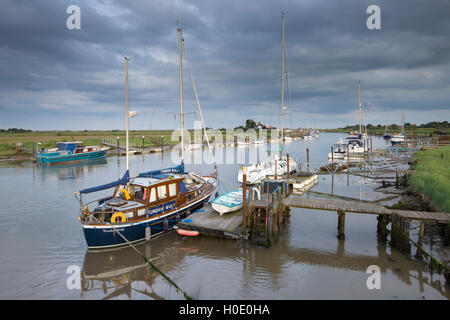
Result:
pixel 258 171
pixel 150 203
pixel 399 138
pixel 354 147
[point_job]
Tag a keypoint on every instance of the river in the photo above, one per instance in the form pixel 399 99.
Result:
pixel 42 243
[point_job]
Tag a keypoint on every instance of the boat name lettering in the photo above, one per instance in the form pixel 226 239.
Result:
pixel 161 208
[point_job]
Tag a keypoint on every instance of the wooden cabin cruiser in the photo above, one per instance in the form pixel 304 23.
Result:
pixel 154 200
pixel 70 152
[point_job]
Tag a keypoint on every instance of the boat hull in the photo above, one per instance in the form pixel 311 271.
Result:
pixel 100 237
pixel 57 158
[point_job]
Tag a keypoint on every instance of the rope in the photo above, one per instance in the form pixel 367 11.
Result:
pixel 146 260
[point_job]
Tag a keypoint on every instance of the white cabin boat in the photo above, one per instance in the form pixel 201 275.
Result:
pixel 258 171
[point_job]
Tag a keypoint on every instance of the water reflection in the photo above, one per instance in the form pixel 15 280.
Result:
pixel 69 171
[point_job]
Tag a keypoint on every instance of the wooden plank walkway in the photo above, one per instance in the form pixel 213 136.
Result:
pixel 362 207
pixel 209 222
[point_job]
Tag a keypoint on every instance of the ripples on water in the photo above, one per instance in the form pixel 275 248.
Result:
pixel 41 237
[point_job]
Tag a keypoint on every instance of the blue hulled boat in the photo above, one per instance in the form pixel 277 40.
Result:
pixel 70 152
pixel 143 207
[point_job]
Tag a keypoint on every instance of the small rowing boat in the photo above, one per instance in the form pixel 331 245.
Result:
pixel 228 202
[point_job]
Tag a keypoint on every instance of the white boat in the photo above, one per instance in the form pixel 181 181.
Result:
pixel 350 149
pixel 258 171
pixel 287 139
pixel 194 146
pixel 258 142
pixel 229 202
pixel 308 137
pixel 397 139
pixel 243 143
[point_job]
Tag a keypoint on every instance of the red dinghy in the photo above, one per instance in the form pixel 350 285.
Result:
pixel 191 233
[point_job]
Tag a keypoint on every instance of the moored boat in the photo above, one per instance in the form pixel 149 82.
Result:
pixel 70 152
pixel 229 202
pixel 152 202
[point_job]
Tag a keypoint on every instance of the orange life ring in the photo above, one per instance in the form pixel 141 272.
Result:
pixel 120 215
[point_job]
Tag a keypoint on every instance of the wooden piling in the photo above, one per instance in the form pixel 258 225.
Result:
pixel 341 225
pixel 287 157
pixel 382 231
pixel 244 207
pixel 307 157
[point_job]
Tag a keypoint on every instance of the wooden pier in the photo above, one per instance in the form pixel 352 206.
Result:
pixel 363 207
pixel 208 222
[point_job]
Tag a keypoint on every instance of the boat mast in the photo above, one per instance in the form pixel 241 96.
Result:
pixel 282 80
pixel 181 93
pixel 359 107
pixel 126 113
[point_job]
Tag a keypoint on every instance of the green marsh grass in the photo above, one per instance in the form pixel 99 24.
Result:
pixel 433 176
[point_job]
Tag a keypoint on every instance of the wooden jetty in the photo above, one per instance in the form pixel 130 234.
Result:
pixel 363 207
pixel 209 222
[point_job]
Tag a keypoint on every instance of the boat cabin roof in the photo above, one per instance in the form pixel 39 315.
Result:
pixel 147 182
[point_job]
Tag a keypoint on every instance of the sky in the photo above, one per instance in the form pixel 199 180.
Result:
pixel 56 78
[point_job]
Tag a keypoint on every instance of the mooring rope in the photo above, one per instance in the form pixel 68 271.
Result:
pixel 146 260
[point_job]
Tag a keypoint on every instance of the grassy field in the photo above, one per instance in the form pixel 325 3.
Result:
pixel 48 139
pixel 433 176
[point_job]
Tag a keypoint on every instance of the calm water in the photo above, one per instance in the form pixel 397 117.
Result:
pixel 41 237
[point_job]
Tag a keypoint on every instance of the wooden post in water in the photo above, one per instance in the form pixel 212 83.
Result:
pixel 341 225
pixel 420 240
pixel 118 145
pixel 244 207
pixel 276 165
pixel 287 158
pixel 381 227
pixel 307 157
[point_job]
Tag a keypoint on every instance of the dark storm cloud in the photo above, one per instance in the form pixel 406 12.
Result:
pixel 75 78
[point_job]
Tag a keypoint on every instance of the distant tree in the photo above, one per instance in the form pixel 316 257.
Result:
pixel 250 124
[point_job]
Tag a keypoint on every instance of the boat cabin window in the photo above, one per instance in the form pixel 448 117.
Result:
pixel 172 189
pixel 152 195
pixel 162 192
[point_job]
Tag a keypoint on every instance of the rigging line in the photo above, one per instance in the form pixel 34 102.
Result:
pixel 145 258
pixel 167 70
pixel 198 103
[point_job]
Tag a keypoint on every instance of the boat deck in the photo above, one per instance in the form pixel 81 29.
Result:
pixel 209 222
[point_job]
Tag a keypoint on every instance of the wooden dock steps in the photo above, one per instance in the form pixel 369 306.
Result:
pixel 362 207
pixel 209 222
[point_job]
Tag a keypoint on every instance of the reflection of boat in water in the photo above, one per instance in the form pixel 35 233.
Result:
pixel 70 152
pixel 112 272
pixel 71 171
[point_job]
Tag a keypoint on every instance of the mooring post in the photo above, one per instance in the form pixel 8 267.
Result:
pixel 348 155
pixel 341 225
pixel 307 157
pixel 287 158
pixel 244 207
pixel 332 154
pixel 276 165
pixel 420 239
pixel 118 146
pixel 381 227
